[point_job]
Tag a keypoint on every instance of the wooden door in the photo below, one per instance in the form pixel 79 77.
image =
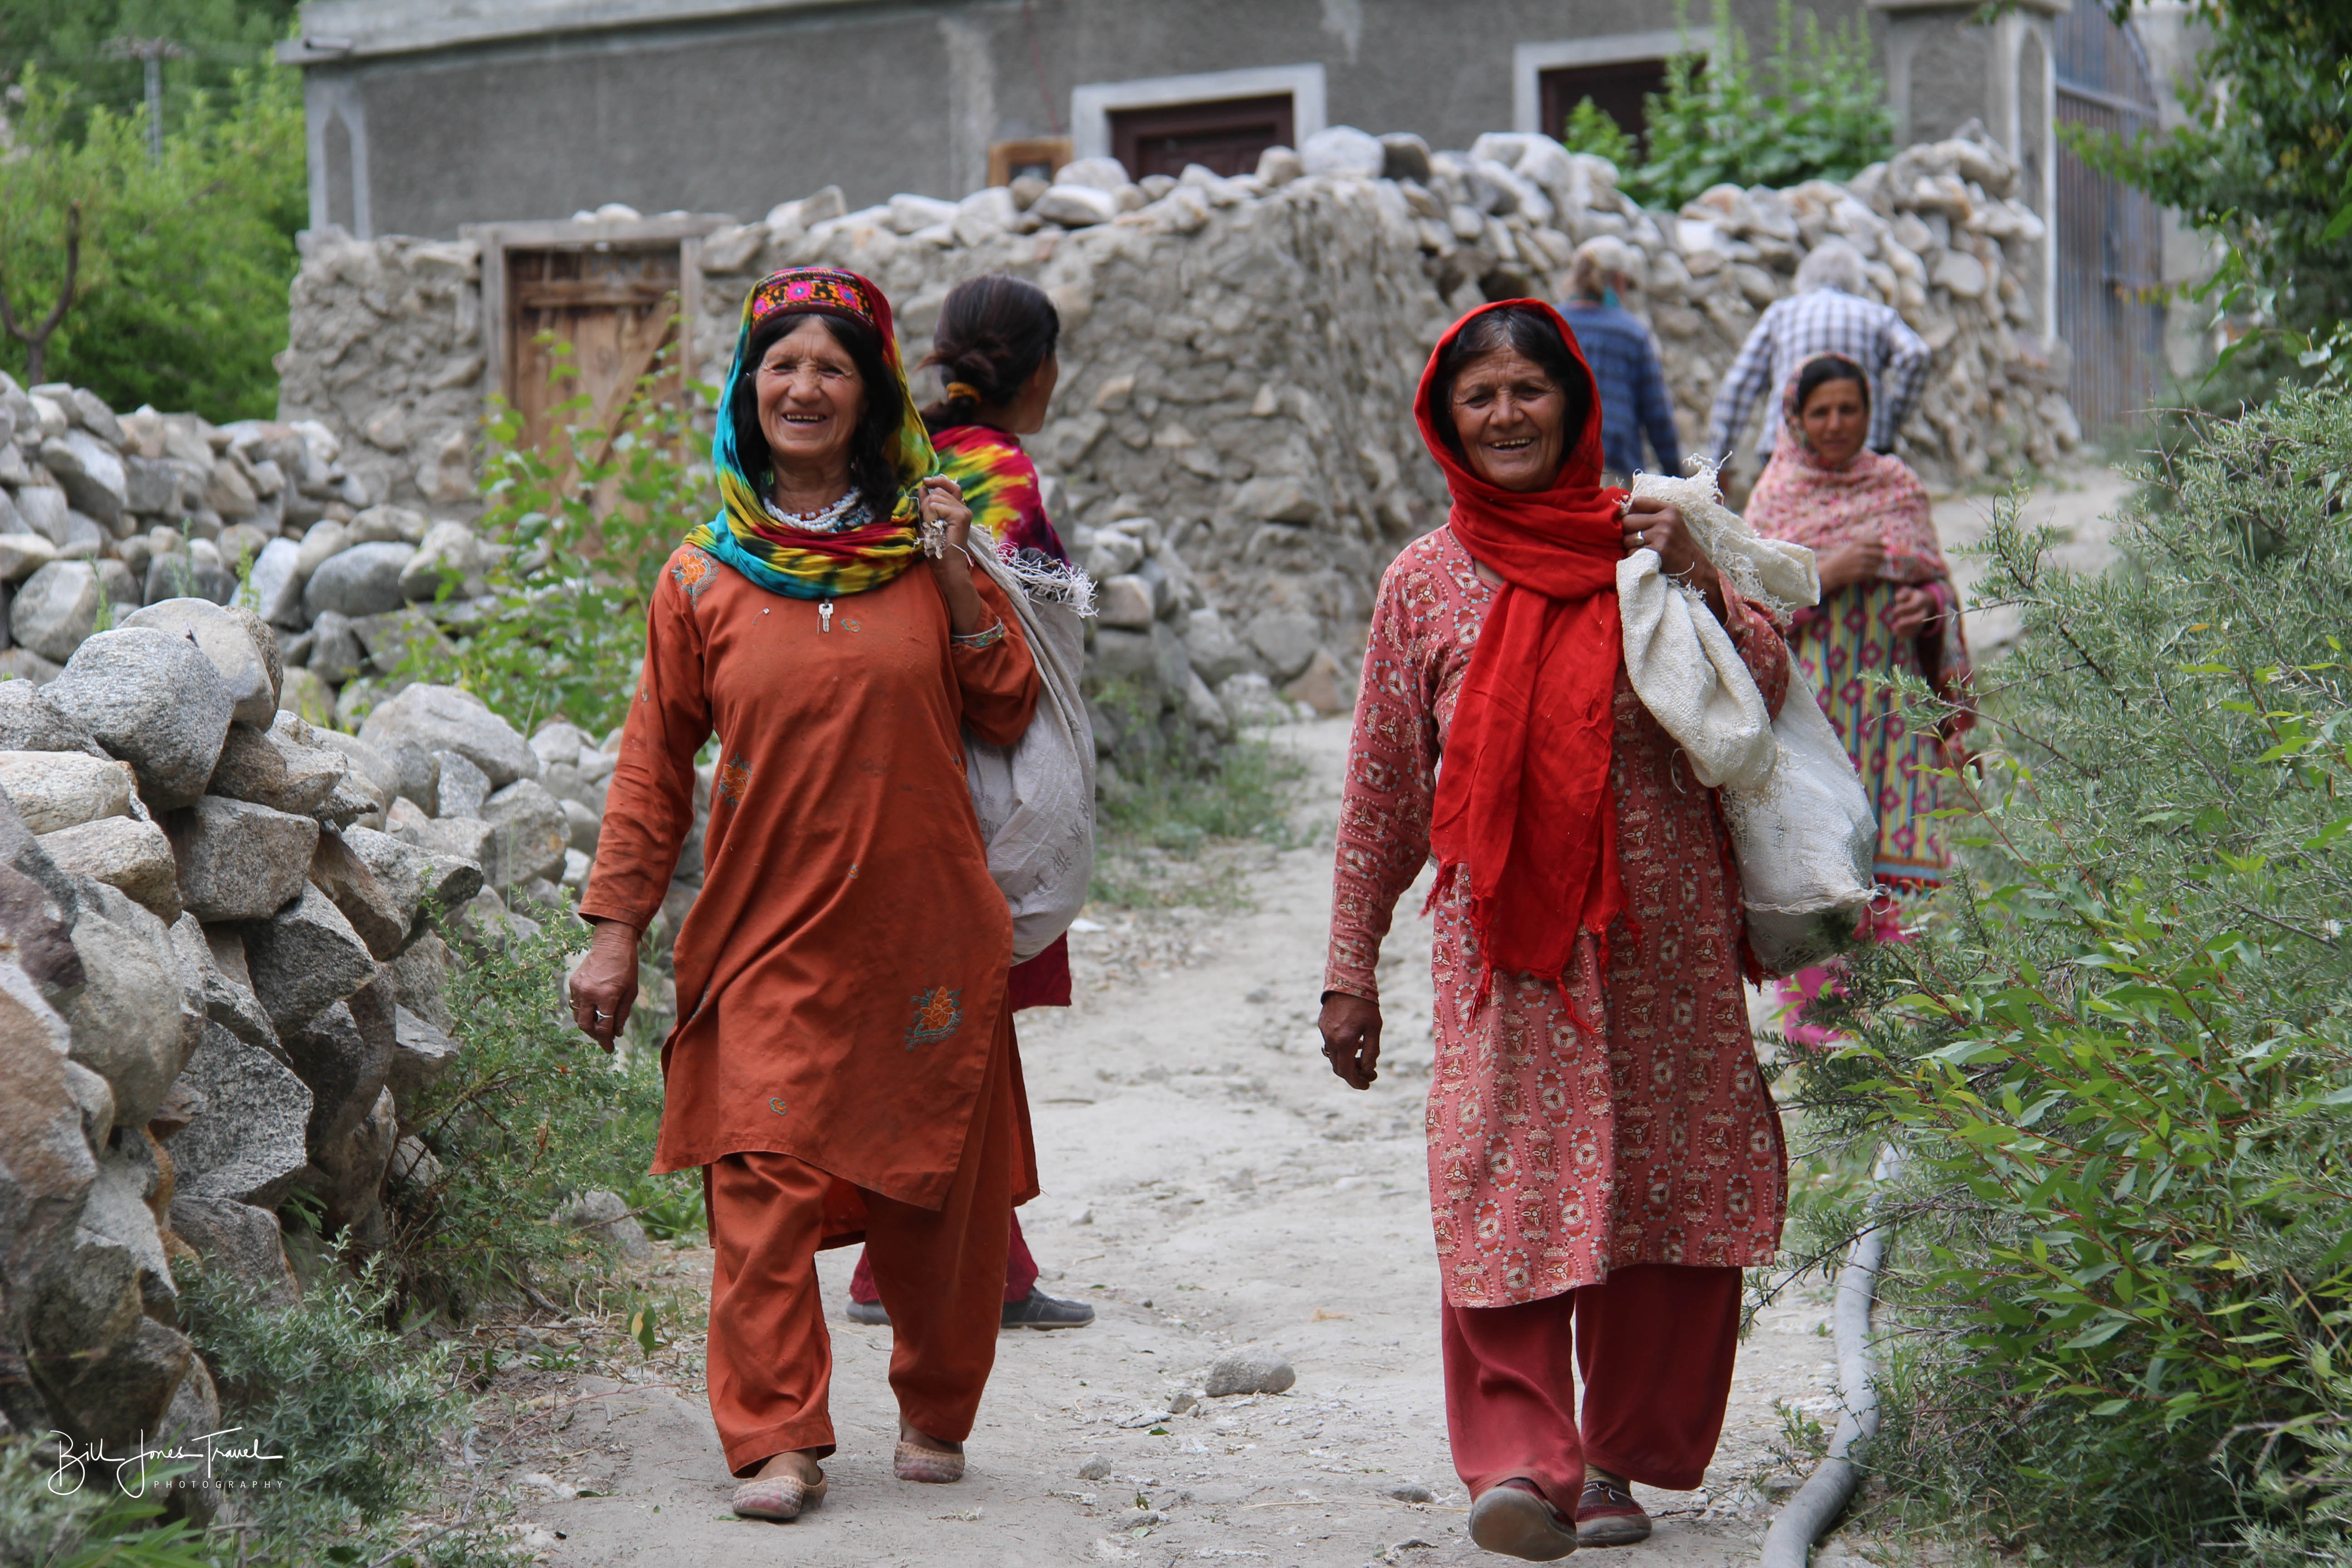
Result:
pixel 2110 236
pixel 617 306
pixel 1224 134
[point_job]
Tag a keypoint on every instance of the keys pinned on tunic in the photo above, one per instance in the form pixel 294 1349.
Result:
pixel 825 617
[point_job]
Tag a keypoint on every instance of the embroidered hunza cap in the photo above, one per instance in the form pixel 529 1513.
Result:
pixel 827 290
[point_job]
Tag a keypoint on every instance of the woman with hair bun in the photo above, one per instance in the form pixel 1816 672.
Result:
pixel 994 348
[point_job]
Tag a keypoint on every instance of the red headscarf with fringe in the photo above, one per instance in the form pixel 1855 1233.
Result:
pixel 1523 797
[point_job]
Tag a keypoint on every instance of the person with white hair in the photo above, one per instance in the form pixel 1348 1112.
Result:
pixel 1623 357
pixel 1830 313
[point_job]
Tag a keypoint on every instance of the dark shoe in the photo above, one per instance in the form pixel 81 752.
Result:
pixel 1039 1310
pixel 1516 1521
pixel 1607 1515
pixel 869 1313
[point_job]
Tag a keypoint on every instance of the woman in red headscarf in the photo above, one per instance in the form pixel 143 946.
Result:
pixel 1603 1156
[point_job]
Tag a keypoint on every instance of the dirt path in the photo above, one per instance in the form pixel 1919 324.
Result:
pixel 1208 1183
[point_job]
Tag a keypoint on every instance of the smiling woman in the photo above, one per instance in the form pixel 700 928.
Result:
pixel 1604 1158
pixel 846 1068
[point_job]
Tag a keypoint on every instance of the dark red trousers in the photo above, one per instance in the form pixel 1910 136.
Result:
pixel 1655 1343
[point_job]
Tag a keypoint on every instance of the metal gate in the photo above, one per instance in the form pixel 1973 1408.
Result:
pixel 2110 246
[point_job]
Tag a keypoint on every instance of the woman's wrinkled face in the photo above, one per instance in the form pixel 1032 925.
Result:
pixel 1512 420
pixel 810 397
pixel 1836 419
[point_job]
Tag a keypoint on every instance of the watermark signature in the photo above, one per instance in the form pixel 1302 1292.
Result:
pixel 74 1464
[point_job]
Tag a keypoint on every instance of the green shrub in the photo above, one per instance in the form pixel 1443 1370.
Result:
pixel 2119 1053
pixel 1591 128
pixel 1816 110
pixel 591 518
pixel 529 1114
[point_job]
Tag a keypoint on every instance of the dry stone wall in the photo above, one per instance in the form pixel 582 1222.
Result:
pixel 1240 354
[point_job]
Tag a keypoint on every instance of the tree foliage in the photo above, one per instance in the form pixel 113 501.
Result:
pixel 2119 1053
pixel 179 294
pixel 1815 109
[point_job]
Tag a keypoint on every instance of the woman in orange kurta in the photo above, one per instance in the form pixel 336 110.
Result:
pixel 843 1067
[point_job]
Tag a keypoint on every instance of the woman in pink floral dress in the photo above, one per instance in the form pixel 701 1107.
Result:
pixel 1604 1158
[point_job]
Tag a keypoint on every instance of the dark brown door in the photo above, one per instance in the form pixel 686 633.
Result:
pixel 1225 135
pixel 1618 90
pixel 617 309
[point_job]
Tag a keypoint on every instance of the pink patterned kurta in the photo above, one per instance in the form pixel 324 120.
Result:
pixel 1553 1156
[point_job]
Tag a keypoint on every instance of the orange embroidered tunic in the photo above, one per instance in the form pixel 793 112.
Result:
pixel 841 978
pixel 1555 1156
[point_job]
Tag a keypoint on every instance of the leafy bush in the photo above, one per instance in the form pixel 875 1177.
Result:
pixel 589 518
pixel 529 1114
pixel 1591 128
pixel 180 295
pixel 1816 110
pixel 2119 1051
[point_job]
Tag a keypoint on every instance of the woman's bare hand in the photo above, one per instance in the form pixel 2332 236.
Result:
pixel 1912 610
pixel 1351 1027
pixel 605 987
pixel 940 501
pixel 1655 524
pixel 1856 561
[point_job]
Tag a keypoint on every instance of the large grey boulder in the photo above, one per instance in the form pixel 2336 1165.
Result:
pixel 369 764
pixel 1287 639
pixel 57 608
pixel 44 1152
pixel 400 869
pixel 528 835
pixel 44 512
pixel 122 852
pixel 344 1065
pixel 249 1141
pixel 453 848
pixel 221 637
pixel 240 1240
pixel 336 655
pixel 154 700
pixel 53 790
pixel 340 872
pixel 446 719
pixel 270 768
pixel 127 1019
pixel 325 539
pixel 21 554
pixel 29 721
pixel 607 1214
pixel 240 861
pixel 304 959
pixel 276 589
pixel 116 1397
pixel 361 581
pixel 92 476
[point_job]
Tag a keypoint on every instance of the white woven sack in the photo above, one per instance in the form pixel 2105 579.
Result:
pixel 1804 839
pixel 1035 799
pixel 1800 825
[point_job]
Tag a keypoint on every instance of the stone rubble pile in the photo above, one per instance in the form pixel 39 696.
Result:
pixel 222 981
pixel 1239 355
pixel 102 516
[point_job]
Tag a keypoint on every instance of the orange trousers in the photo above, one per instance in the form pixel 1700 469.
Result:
pixel 942 1274
pixel 1656 1343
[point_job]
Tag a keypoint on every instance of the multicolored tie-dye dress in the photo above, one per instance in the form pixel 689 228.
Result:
pixel 1556 1156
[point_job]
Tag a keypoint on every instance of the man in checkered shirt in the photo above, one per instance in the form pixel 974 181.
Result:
pixel 1827 315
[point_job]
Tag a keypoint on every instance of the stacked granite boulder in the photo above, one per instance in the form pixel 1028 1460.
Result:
pixel 225 980
pixel 102 515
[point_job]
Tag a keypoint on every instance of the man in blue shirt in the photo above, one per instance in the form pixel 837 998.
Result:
pixel 1624 361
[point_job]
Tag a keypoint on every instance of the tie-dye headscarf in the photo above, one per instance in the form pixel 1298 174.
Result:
pixel 789 561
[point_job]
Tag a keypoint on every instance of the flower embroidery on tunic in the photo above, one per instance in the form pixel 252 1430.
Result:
pixel 734 779
pixel 938 1013
pixel 693 570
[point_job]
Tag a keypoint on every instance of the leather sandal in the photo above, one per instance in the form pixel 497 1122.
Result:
pixel 912 1463
pixel 1516 1519
pixel 780 1498
pixel 1607 1515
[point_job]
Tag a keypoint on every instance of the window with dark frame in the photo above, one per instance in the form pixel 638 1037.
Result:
pixel 1224 135
pixel 1618 90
